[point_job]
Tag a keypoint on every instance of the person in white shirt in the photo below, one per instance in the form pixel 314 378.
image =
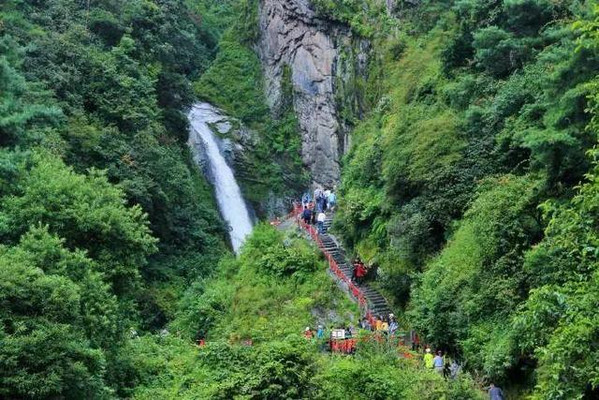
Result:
pixel 320 220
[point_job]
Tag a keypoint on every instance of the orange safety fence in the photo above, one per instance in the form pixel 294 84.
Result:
pixel 346 346
pixel 349 345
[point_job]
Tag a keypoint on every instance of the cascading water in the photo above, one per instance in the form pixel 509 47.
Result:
pixel 228 195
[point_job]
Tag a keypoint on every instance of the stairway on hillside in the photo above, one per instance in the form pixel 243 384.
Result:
pixel 377 304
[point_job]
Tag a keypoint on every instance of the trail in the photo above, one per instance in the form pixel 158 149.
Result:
pixel 372 303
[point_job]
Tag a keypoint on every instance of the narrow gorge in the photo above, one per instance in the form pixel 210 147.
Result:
pixel 151 152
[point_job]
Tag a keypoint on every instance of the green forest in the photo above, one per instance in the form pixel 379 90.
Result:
pixel 472 184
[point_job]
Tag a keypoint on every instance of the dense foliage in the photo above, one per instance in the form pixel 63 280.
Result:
pixel 271 304
pixel 104 220
pixel 472 184
pixel 462 183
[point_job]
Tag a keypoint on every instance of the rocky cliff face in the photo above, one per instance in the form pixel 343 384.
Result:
pixel 292 36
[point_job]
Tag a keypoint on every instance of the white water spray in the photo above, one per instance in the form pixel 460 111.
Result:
pixel 228 195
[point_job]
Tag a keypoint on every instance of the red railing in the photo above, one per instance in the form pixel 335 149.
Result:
pixel 354 290
pixel 349 345
pixel 345 346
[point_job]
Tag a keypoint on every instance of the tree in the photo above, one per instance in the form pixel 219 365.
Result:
pixel 87 211
pixel 498 52
pixel 559 321
pixel 57 319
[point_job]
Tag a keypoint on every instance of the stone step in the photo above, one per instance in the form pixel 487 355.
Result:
pixel 379 304
pixel 376 301
pixel 368 290
pixel 381 310
pixel 375 297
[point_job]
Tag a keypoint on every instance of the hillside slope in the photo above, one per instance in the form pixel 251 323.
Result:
pixel 459 180
pixel 269 295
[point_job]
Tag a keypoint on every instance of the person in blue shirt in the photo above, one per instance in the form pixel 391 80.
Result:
pixel 332 200
pixel 306 199
pixel 320 332
pixel 495 393
pixel 438 362
pixel 307 215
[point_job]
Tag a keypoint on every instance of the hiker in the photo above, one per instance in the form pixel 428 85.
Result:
pixel 317 194
pixel 360 272
pixel 385 326
pixel 308 333
pixel 357 262
pixel 348 332
pixel 365 324
pixel 353 330
pixel 438 362
pixel 332 200
pixel 354 270
pixel 428 359
pixel 320 332
pixel 454 370
pixel 321 218
pixel 415 341
pixel 321 204
pixel 306 199
pixel 495 393
pixel 393 325
pixel 307 215
pixel 378 325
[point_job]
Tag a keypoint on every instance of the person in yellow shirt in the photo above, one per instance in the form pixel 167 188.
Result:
pixel 379 324
pixel 385 327
pixel 429 359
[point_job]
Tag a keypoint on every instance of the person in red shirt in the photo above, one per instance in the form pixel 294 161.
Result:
pixel 308 333
pixel 360 272
pixel 357 262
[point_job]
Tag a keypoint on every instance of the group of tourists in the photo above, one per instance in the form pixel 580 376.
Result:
pixel 386 325
pixel 451 369
pixel 334 332
pixel 342 339
pixel 314 208
pixel 439 363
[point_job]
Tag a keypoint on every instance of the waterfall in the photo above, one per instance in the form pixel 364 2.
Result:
pixel 228 195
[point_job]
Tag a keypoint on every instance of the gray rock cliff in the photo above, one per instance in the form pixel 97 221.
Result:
pixel 293 36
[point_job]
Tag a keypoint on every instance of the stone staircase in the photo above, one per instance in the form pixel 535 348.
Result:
pixel 376 302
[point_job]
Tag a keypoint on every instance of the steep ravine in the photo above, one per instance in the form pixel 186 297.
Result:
pixel 293 36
